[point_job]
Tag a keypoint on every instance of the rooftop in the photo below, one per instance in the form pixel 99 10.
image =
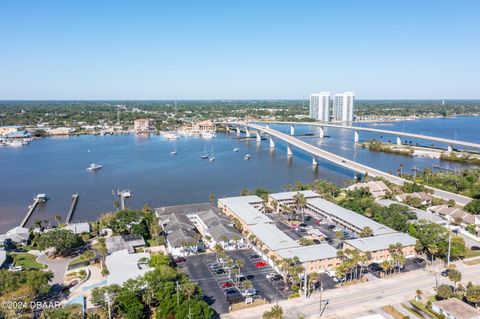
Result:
pixel 421 214
pixel 381 242
pixel 290 195
pixel 181 237
pixel 272 237
pixel 309 253
pixel 78 228
pixel 349 216
pixel 123 266
pixel 117 243
pixel 16 235
pixel 242 207
pixel 457 308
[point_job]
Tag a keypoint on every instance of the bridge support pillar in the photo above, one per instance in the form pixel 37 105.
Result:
pixel 238 130
pixel 314 162
pixel 355 137
pixel 259 138
pixel 272 142
pixel 289 150
pixel 449 148
pixel 292 130
pixel 322 132
pixel 399 140
pixel 247 131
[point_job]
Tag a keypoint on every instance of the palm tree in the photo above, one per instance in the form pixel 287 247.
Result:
pixel 212 199
pixel 418 294
pixel 300 203
pixel 102 250
pixel 366 232
pixel 274 205
pixel 432 250
pixel 58 218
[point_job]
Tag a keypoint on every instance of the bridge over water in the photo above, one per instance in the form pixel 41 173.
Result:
pixel 357 129
pixel 316 153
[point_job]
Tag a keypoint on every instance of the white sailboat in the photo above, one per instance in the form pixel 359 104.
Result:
pixel 205 155
pixel 212 158
pixel 174 152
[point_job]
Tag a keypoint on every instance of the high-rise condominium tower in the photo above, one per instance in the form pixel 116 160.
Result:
pixel 343 107
pixel 320 106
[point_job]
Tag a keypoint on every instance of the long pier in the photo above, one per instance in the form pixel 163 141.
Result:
pixel 30 212
pixel 342 161
pixel 72 208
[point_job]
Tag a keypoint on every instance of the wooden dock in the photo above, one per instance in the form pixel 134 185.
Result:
pixel 72 208
pixel 31 208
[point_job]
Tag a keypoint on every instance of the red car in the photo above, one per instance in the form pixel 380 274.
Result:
pixel 226 284
pixel 318 221
pixel 261 264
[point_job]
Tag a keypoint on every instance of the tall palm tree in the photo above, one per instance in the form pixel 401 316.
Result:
pixel 58 218
pixel 300 203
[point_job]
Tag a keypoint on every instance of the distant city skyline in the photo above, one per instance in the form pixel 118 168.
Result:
pixel 155 50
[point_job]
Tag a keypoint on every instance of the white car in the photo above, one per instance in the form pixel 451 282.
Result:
pixel 337 229
pixel 271 275
pixel 309 227
pixel 249 292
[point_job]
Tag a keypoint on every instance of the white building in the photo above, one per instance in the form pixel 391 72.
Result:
pixel 123 266
pixel 343 107
pixel 320 106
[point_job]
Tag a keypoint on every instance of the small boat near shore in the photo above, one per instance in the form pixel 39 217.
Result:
pixel 236 149
pixel 247 157
pixel 94 167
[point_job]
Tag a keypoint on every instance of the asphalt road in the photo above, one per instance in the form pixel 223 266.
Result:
pixel 348 302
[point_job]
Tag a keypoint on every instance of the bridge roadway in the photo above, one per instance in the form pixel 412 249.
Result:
pixel 395 133
pixel 354 166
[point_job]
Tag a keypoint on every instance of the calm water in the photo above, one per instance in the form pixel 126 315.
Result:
pixel 143 164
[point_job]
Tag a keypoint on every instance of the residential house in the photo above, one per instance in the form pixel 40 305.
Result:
pixel 425 198
pixel 454 308
pixel 378 189
pixel 18 235
pixel 123 265
pixel 128 243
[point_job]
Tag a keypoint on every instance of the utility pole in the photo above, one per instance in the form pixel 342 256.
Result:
pixel 107 298
pixel 321 296
pixel 305 285
pixel 449 243
pixel 177 289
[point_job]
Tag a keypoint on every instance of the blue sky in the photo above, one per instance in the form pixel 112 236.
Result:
pixel 238 49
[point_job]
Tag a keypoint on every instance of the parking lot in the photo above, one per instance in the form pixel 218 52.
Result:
pixel 199 269
pixel 312 224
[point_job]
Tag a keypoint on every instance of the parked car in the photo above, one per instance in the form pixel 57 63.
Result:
pixel 249 292
pixel 261 264
pixel 331 226
pixel 328 240
pixel 215 266
pixel 270 275
pixel 255 256
pixel 475 248
pixel 240 278
pixel 219 271
pixel 318 221
pixel 180 260
pixel 316 241
pixel 230 291
pixel 277 277
pixel 337 229
pixel 418 260
pixel 226 284
pixel 445 272
pixel 375 267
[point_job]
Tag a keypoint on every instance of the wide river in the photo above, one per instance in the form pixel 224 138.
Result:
pixel 143 164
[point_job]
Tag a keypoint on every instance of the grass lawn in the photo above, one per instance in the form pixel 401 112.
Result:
pixel 27 261
pixel 472 253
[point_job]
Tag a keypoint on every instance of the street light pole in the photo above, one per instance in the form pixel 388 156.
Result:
pixel 321 296
pixel 107 298
pixel 449 243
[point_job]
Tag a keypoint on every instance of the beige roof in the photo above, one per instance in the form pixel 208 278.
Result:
pixel 422 195
pixel 457 309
